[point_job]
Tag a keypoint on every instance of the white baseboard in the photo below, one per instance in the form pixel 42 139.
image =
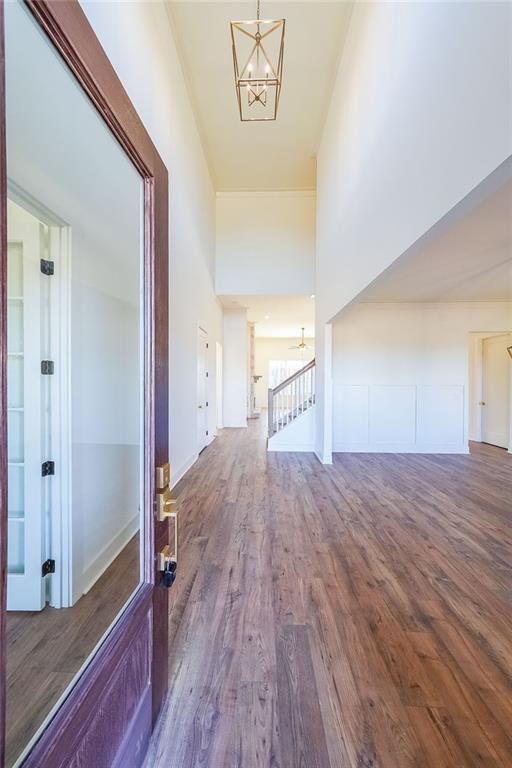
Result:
pixel 322 459
pixel 176 475
pixel 108 554
pixel 291 448
pixel 398 448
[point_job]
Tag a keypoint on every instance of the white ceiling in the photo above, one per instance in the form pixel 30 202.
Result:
pixel 273 155
pixel 470 261
pixel 276 316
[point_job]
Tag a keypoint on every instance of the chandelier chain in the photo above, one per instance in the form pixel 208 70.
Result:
pixel 258 10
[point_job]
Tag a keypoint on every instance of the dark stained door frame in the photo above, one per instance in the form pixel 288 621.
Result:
pixel 107 718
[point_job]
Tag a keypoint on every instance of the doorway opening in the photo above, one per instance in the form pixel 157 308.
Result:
pixel 38 419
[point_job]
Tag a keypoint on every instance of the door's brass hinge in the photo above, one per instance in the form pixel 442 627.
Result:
pixel 163 476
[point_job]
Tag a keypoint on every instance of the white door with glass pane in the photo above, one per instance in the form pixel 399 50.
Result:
pixel 25 484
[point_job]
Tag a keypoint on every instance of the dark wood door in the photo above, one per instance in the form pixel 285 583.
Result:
pixel 107 718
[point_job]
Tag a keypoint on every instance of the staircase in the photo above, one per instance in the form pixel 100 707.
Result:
pixel 290 399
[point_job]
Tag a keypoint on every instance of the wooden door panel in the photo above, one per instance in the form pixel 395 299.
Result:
pixel 110 704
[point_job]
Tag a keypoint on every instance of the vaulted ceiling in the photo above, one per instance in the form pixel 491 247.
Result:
pixel 270 155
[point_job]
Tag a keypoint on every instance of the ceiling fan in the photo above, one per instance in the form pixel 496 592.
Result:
pixel 302 344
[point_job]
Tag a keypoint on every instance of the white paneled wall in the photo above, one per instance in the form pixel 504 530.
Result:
pixel 399 418
pixel 391 414
pixel 401 372
pixel 351 423
pixel 440 415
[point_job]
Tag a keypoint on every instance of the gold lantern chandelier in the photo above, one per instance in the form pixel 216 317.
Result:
pixel 258 47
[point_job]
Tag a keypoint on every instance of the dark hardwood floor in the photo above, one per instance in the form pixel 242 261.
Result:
pixel 45 649
pixel 353 616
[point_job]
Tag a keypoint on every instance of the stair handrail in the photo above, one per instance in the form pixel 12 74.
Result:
pixel 272 392
pixel 296 375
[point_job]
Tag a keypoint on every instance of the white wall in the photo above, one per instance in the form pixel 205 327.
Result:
pixel 235 354
pixel 298 436
pixel 139 42
pixel 420 114
pixel 401 374
pixel 323 385
pixel 265 243
pixel 267 349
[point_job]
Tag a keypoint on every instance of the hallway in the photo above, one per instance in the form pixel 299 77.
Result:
pixel 349 616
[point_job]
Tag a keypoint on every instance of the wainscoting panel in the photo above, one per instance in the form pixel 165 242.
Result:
pixel 392 415
pixel 350 408
pixel 399 418
pixel 440 415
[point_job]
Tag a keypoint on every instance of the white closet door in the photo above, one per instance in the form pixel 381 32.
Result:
pixel 202 389
pixel 496 391
pixel 25 585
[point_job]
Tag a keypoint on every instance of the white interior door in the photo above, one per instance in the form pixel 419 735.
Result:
pixel 218 383
pixel 202 389
pixel 496 387
pixel 26 541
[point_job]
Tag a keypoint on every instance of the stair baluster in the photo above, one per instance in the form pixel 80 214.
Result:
pixel 291 398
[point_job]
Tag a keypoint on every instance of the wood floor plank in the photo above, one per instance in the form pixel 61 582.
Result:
pixel 303 741
pixel 256 731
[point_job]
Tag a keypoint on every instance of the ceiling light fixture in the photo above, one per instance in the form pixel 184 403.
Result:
pixel 258 47
pixel 302 344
